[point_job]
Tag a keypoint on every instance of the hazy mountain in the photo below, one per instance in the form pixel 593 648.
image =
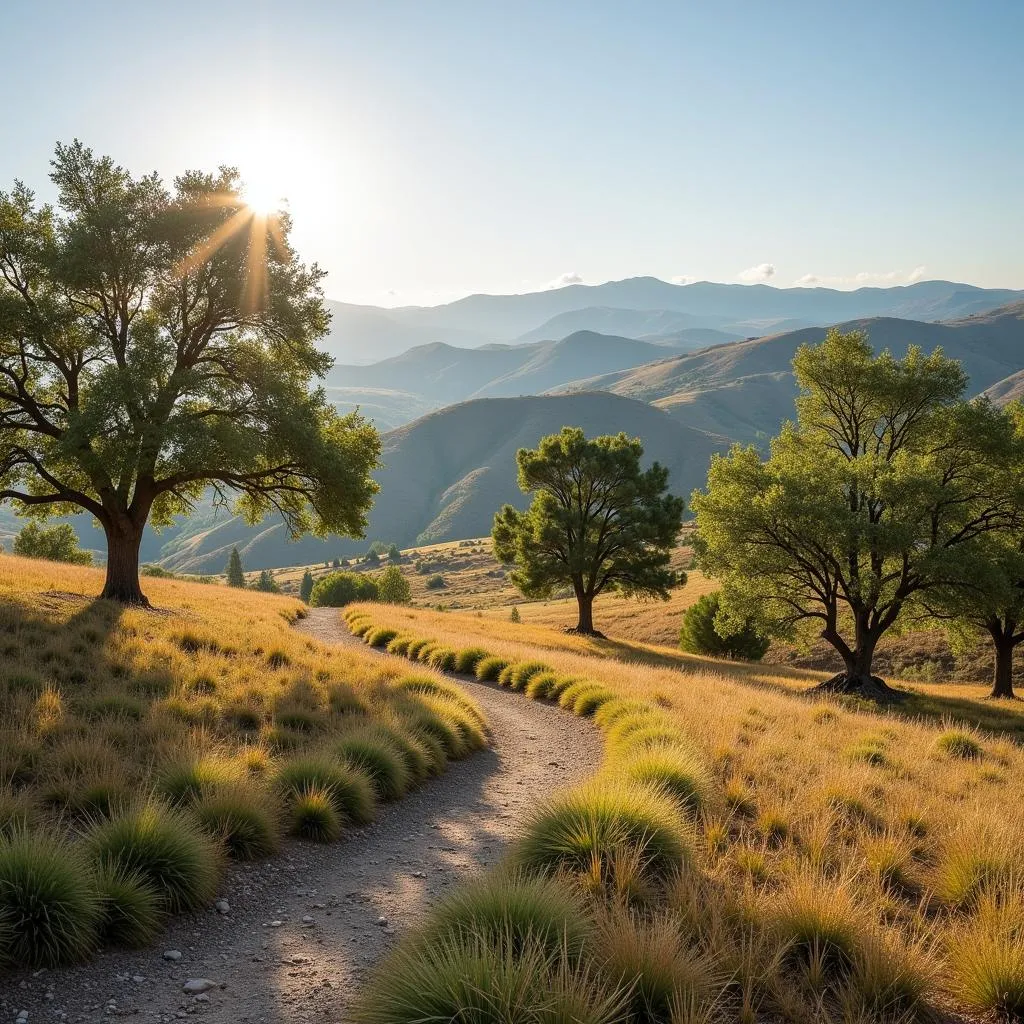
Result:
pixel 445 476
pixel 650 324
pixel 441 374
pixel 746 389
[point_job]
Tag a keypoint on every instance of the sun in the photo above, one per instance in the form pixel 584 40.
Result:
pixel 262 196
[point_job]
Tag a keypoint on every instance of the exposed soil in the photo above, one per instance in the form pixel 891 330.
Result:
pixel 305 927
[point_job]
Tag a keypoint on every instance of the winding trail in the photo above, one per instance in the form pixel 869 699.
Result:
pixel 305 927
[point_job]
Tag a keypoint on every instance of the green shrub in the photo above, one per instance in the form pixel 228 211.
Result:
pixel 399 646
pixel 467 660
pixel 435 582
pixel 958 744
pixel 699 634
pixel 186 781
pixel 488 669
pixel 675 770
pixel 442 658
pixel 380 637
pixel 350 789
pixel 131 910
pixel 312 815
pixel 393 587
pixel 56 543
pixel 587 702
pixel 415 647
pixel 511 911
pixel 524 671
pixel 341 588
pixel 242 819
pixel 48 904
pixel 570 694
pixel 163 847
pixel 590 825
pixel 560 685
pixel 540 686
pixel 370 753
pixel 505 675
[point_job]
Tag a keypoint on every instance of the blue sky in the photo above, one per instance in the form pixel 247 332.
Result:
pixel 432 149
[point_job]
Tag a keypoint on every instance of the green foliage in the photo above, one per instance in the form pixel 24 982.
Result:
pixel 49 911
pixel 341 588
pixel 235 572
pixel 959 744
pixel 55 543
pixel 597 521
pixel 266 583
pixel 187 361
pixel 394 554
pixel 242 819
pixel 874 498
pixel 131 910
pixel 488 669
pixel 468 658
pixel 514 616
pixel 393 587
pixel 313 815
pixel 375 755
pixel 435 582
pixel 164 848
pixel 700 635
pixel 673 769
pixel 306 586
pixel 350 790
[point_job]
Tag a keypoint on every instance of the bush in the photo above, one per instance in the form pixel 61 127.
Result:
pixel 524 671
pixel 312 815
pixel 511 911
pixel 131 910
pixel 350 790
pixel 435 582
pixel 242 819
pixel 540 686
pixel 48 905
pixel 488 669
pixel 590 825
pixel 393 587
pixel 381 636
pixel 54 543
pixel 675 770
pixel 165 848
pixel 186 781
pixel 467 660
pixel 958 744
pixel 699 635
pixel 341 588
pixel 370 753
pixel 442 658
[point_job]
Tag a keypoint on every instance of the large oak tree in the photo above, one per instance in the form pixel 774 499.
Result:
pixel 877 495
pixel 156 342
pixel 597 522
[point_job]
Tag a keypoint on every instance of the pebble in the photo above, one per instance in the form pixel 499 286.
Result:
pixel 275 924
pixel 22 1016
pixel 223 907
pixel 307 920
pixel 172 954
pixel 196 986
pixel 382 922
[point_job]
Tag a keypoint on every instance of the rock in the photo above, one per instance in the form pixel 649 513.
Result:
pixel 138 979
pixel 196 986
pixel 22 1015
pixel 307 919
pixel 382 922
pixel 223 907
pixel 172 954
pixel 275 924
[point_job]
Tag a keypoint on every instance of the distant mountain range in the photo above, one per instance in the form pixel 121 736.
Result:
pixel 362 334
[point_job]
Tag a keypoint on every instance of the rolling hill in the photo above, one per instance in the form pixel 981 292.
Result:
pixel 445 476
pixel 745 390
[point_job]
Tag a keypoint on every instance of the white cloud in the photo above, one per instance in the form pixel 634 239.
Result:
pixel 564 280
pixel 762 272
pixel 862 279
pixel 684 279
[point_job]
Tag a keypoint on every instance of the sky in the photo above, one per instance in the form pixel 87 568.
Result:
pixel 430 149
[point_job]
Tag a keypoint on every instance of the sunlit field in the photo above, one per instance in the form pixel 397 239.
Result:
pixel 749 852
pixel 140 750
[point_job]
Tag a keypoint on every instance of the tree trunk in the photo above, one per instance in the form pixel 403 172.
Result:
pixel 1002 643
pixel 122 583
pixel 586 613
pixel 857 679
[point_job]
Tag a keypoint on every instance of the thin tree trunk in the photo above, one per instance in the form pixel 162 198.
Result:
pixel 1003 645
pixel 122 583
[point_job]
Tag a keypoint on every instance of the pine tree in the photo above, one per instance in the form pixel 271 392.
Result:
pixel 236 575
pixel 306 586
pixel 266 583
pixel 515 616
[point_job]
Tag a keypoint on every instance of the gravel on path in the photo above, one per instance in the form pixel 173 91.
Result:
pixel 299 932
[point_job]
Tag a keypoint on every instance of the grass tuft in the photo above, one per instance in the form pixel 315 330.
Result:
pixel 131 910
pixel 312 815
pixel 350 790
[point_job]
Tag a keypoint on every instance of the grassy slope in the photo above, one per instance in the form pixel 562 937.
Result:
pixel 868 816
pixel 212 695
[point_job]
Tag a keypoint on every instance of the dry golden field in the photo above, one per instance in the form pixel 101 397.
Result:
pixel 845 863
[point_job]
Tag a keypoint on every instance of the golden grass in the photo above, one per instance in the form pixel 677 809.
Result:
pixel 203 702
pixel 806 838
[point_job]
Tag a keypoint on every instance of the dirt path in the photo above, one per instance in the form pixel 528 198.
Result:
pixel 304 928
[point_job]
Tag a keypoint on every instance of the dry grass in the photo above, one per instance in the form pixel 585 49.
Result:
pixel 207 703
pixel 848 856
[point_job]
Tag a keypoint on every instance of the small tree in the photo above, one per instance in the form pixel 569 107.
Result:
pixel 873 499
pixel 514 615
pixel 341 588
pixel 394 554
pixel 56 544
pixel 158 343
pixel 371 557
pixel 597 521
pixel 393 587
pixel 703 633
pixel 306 586
pixel 235 572
pixel 266 583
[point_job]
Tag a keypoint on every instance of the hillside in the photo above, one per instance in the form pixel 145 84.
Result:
pixel 745 390
pixel 647 324
pixel 445 476
pixel 439 374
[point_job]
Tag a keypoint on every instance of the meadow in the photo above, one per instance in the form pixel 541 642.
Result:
pixel 142 750
pixel 747 852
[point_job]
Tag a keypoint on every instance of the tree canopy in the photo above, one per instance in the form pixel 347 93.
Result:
pixel 56 543
pixel 155 342
pixel 393 587
pixel 597 522
pixel 878 493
